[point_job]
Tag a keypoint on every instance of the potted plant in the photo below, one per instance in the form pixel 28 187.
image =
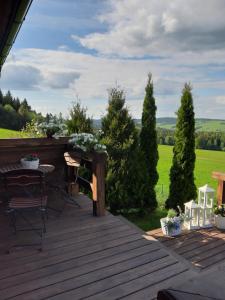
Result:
pixel 53 129
pixel 87 142
pixel 30 161
pixel 219 213
pixel 172 224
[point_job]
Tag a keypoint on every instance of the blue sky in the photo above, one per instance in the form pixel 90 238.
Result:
pixel 81 48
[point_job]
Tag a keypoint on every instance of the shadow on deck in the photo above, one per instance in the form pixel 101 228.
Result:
pixel 89 257
pixel 202 248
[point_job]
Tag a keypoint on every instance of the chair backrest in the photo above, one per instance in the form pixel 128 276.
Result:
pixel 71 161
pixel 23 178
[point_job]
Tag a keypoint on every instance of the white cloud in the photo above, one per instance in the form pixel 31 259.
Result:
pixel 220 99
pixel 159 27
pixel 20 77
pixel 61 79
pixel 65 74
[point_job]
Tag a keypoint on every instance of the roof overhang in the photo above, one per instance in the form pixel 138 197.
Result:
pixel 12 15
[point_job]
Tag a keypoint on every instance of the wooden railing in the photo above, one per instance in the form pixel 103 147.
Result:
pixel 51 151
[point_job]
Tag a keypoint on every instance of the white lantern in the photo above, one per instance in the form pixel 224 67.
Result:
pixel 205 202
pixel 192 212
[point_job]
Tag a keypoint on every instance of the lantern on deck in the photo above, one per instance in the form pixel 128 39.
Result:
pixel 205 202
pixel 192 215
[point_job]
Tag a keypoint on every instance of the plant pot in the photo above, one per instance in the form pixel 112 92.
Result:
pixel 170 231
pixel 220 222
pixel 29 164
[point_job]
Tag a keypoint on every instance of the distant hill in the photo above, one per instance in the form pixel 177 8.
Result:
pixel 210 125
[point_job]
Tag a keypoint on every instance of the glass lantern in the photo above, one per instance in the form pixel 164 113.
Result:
pixel 205 202
pixel 192 213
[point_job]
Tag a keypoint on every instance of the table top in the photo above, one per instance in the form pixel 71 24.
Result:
pixel 45 168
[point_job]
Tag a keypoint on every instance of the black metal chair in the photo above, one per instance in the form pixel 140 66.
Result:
pixel 26 194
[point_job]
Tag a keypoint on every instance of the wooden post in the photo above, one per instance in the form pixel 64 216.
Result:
pixel 98 183
pixel 72 165
pixel 221 187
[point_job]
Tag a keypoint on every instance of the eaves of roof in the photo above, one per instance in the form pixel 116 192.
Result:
pixel 12 15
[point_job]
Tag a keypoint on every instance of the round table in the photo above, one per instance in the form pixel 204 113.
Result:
pixel 45 168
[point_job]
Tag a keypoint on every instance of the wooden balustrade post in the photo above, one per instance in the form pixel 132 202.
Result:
pixel 221 187
pixel 98 183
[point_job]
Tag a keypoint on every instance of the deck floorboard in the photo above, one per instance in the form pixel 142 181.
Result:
pixel 202 248
pixel 86 257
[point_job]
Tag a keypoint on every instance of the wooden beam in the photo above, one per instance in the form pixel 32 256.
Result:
pixel 221 186
pixel 98 183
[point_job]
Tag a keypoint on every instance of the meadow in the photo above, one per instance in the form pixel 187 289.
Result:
pixel 7 133
pixel 203 125
pixel 206 162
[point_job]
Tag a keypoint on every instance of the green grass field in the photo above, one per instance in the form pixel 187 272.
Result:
pixel 200 124
pixel 7 133
pixel 206 162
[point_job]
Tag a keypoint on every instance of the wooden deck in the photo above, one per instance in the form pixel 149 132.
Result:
pixel 88 257
pixel 202 248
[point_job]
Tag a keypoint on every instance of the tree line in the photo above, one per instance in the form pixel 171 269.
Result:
pixel 203 140
pixel 133 153
pixel 15 113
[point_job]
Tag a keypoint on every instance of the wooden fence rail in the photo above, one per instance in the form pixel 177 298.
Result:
pixel 51 151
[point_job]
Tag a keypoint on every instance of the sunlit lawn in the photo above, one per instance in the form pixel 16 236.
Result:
pixel 7 133
pixel 206 162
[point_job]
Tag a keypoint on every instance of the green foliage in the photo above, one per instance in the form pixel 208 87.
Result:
pixel 79 121
pixel 31 130
pixel 171 213
pixel 206 162
pixel 182 186
pixel 201 125
pixel 148 144
pixel 220 210
pixel 124 181
pixel 14 114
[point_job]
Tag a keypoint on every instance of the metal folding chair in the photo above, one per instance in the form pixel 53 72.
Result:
pixel 26 194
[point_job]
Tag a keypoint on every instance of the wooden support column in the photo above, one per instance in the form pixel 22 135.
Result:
pixel 221 187
pixel 98 183
pixel 72 166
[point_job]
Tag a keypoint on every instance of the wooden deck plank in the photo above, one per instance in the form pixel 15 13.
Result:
pixel 158 274
pixel 207 247
pixel 94 258
pixel 202 248
pixel 63 284
pixel 84 270
pixel 151 291
pixel 106 255
pixel 49 260
pixel 79 241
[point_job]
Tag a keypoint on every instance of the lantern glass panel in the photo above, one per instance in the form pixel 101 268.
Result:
pixel 195 217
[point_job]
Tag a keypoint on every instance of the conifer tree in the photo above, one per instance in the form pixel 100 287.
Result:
pixel 78 120
pixel 182 186
pixel 1 98
pixel 148 144
pixel 124 182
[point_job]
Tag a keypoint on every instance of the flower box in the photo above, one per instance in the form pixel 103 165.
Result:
pixel 220 221
pixel 29 164
pixel 169 230
pixel 31 161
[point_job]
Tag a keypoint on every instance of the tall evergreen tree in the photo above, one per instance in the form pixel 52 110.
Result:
pixel 148 143
pixel 124 181
pixel 79 121
pixel 1 98
pixel 182 186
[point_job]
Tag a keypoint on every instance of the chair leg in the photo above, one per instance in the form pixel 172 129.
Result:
pixel 43 215
pixel 13 220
